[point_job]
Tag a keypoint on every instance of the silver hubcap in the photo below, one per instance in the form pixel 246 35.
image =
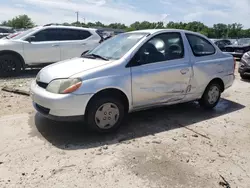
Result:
pixel 213 94
pixel 107 116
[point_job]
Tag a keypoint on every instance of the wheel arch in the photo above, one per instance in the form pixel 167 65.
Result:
pixel 111 92
pixel 11 52
pixel 219 81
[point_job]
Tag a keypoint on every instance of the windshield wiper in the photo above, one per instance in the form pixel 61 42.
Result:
pixel 96 56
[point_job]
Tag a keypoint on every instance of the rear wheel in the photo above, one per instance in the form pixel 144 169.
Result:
pixel 10 65
pixel 105 114
pixel 211 96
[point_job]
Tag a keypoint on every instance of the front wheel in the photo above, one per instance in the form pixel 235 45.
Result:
pixel 105 114
pixel 10 65
pixel 211 96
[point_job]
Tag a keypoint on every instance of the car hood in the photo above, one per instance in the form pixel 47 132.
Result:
pixel 68 68
pixel 8 42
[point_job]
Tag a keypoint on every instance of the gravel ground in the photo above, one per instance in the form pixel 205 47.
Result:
pixel 175 146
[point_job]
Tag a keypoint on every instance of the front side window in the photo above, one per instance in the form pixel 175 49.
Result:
pixel 46 35
pixel 25 33
pixel 116 47
pixel 200 46
pixel 163 47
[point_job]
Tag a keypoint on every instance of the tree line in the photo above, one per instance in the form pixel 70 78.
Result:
pixel 219 30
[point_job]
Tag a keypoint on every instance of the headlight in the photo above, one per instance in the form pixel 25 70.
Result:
pixel 246 56
pixel 63 86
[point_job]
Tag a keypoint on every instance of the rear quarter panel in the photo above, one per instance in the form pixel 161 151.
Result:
pixel 207 68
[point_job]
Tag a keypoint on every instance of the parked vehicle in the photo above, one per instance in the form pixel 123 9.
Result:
pixel 244 67
pixel 240 47
pixel 222 43
pixel 133 71
pixel 10 36
pixel 46 44
pixel 5 31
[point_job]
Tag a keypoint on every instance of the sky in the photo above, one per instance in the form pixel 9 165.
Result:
pixel 129 11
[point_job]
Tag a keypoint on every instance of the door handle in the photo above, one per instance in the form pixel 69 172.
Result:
pixel 83 44
pixel 184 71
pixel 55 45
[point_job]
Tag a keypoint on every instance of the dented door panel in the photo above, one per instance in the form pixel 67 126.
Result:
pixel 162 82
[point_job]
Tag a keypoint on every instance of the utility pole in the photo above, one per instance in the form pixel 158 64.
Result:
pixel 77 17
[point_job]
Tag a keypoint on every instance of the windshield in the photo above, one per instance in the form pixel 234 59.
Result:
pixel 243 41
pixel 116 47
pixel 24 33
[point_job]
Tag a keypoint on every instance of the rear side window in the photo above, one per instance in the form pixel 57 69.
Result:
pixel 73 34
pixel 200 46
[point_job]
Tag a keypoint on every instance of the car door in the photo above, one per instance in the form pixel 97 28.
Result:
pixel 42 47
pixel 75 41
pixel 161 72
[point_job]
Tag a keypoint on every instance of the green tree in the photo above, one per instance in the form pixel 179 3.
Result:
pixel 117 26
pixel 4 23
pixel 21 21
pixel 221 30
pixel 235 30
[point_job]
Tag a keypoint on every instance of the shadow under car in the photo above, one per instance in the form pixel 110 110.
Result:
pixel 73 136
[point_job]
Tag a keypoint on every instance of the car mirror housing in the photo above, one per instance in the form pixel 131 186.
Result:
pixel 31 38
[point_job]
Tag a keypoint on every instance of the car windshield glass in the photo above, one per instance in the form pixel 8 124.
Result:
pixel 244 41
pixel 118 46
pixel 24 33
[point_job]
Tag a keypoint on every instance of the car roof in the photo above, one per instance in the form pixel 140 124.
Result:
pixel 69 27
pixel 153 31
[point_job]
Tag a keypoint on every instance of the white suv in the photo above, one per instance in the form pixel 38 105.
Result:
pixel 45 44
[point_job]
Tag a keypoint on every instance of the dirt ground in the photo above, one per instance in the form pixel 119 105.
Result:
pixel 171 147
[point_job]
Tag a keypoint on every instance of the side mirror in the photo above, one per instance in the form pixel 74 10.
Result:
pixel 31 38
pixel 141 58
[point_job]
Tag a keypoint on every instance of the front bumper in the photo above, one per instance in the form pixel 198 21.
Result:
pixel 59 106
pixel 244 68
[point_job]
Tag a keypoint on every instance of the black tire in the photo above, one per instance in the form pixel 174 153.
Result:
pixel 10 65
pixel 95 104
pixel 244 77
pixel 204 101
